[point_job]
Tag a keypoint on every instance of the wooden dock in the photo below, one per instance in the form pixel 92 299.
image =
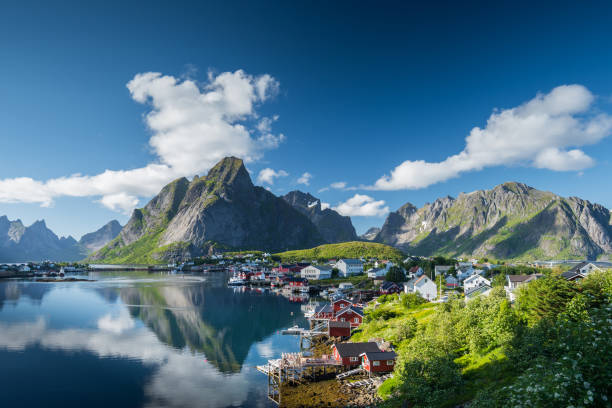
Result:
pixel 294 368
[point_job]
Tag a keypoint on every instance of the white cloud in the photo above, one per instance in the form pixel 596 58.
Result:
pixel 305 179
pixel 268 175
pixel 116 324
pixel 193 126
pixel 321 190
pixel 539 133
pixel 338 185
pixel 325 205
pixel 362 205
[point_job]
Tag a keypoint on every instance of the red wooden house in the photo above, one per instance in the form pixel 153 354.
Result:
pixel 340 304
pixel 339 329
pixel 349 354
pixel 352 314
pixel 378 361
pixel 298 283
pixel 324 312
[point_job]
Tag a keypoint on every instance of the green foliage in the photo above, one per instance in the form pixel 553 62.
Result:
pixel 395 274
pixel 411 300
pixel 570 368
pixel 553 349
pixel 354 249
pixel 545 297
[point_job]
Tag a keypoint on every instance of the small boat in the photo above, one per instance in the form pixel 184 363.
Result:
pixel 236 281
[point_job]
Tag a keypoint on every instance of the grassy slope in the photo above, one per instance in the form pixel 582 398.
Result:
pixel 478 371
pixel 353 249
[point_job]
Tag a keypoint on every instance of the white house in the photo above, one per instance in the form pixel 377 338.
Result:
pixel 24 268
pixel 441 269
pixel 415 272
pixel 316 272
pixel 514 281
pixel 348 267
pixel 585 268
pixel 423 286
pixel 475 281
pixel 377 273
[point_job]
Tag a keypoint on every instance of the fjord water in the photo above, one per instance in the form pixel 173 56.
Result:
pixel 139 340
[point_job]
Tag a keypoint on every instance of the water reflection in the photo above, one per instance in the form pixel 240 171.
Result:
pixel 196 342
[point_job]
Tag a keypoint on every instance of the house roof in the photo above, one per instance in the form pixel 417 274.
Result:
pixel 356 349
pixel 414 269
pixel 323 267
pixel 388 285
pixel 380 355
pixel 477 290
pixel 569 275
pixel 327 308
pixel 523 278
pixel 577 268
pixel 350 261
pixel 354 308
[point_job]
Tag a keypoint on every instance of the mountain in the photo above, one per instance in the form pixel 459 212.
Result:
pixel 370 234
pixel 220 210
pixel 332 226
pixel 35 243
pixel 510 221
pixel 96 240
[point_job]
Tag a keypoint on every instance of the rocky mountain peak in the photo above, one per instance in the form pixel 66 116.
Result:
pixel 298 198
pixel 230 172
pixel 511 220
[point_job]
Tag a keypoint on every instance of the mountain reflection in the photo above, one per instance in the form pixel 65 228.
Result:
pixel 213 320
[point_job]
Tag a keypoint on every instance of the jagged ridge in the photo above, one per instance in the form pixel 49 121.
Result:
pixel 223 209
pixel 332 226
pixel 511 220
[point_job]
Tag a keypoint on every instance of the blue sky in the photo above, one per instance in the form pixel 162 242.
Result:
pixel 357 88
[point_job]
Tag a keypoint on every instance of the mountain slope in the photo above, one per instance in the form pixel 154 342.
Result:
pixel 511 220
pixel 332 226
pixel 222 209
pixel 97 239
pixel 35 243
pixel 370 234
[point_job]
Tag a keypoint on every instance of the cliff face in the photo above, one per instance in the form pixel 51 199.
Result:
pixel 332 226
pixel 511 220
pixel 222 209
pixel 97 239
pixel 370 234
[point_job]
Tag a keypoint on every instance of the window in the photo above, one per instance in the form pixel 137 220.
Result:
pixel 376 363
pixel 342 319
pixel 356 320
pixel 390 362
pixel 354 359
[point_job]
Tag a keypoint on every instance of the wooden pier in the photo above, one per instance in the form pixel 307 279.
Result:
pixel 294 368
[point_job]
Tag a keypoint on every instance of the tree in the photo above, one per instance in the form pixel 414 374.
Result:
pixel 335 272
pixel 395 274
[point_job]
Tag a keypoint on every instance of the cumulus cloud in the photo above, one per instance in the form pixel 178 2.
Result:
pixel 543 132
pixel 305 179
pixel 362 205
pixel 268 175
pixel 192 125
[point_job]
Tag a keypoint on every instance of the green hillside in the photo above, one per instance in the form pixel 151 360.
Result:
pixel 353 249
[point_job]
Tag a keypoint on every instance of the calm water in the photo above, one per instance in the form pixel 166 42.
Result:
pixel 139 340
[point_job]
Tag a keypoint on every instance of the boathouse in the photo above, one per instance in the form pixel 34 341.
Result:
pixel 349 354
pixel 339 329
pixel 378 361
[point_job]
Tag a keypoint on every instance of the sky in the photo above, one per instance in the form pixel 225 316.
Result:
pixel 366 105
